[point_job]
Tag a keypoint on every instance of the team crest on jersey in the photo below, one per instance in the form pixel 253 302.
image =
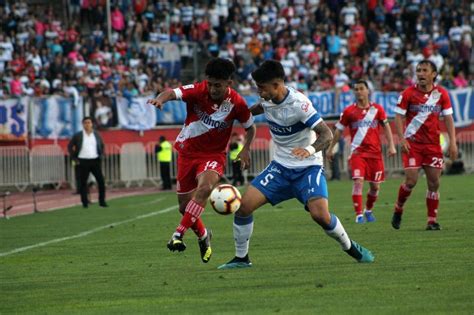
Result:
pixel 226 105
pixel 436 95
pixel 305 107
pixel 412 162
pixel 356 172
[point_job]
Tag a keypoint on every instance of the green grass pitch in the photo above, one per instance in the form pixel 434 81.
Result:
pixel 115 260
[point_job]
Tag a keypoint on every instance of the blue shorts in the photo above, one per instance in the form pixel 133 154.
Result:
pixel 278 183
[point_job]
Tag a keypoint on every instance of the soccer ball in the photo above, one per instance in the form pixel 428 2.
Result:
pixel 225 199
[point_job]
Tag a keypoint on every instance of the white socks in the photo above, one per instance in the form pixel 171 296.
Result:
pixel 243 228
pixel 337 232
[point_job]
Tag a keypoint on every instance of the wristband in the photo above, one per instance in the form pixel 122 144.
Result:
pixel 310 149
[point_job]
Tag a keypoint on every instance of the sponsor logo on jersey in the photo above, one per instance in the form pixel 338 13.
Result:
pixel 424 108
pixel 207 119
pixel 280 130
pixel 365 123
pixel 187 87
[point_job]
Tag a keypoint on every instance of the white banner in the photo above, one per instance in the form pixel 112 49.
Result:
pixel 167 55
pixel 135 114
pixel 55 117
pixel 13 119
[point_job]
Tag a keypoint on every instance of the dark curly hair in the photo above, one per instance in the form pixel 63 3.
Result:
pixel 269 70
pixel 220 68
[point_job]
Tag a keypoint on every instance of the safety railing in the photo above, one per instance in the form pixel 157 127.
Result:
pixel 133 163
pixel 15 167
pixel 47 165
pixel 136 163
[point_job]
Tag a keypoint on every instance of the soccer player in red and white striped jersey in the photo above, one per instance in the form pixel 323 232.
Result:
pixel 364 119
pixel 211 106
pixel 417 123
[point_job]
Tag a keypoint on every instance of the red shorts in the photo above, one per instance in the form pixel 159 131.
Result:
pixel 189 168
pixel 369 169
pixel 423 154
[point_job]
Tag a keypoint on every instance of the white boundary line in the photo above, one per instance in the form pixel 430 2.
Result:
pixel 85 233
pixel 143 216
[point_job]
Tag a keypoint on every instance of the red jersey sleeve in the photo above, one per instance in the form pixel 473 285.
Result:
pixel 187 93
pixel 242 113
pixel 403 102
pixel 381 114
pixel 343 119
pixel 446 108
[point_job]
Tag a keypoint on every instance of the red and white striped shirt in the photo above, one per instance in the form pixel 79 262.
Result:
pixel 364 126
pixel 422 111
pixel 208 125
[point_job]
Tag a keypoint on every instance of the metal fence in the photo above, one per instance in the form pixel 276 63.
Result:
pixel 135 163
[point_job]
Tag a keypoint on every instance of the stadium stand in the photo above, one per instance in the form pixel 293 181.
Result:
pixel 42 54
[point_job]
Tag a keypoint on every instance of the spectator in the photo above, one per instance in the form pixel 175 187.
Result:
pixel 460 81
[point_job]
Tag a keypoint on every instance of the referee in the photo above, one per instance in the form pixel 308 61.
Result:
pixel 86 148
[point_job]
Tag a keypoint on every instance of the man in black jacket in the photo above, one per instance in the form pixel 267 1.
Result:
pixel 86 148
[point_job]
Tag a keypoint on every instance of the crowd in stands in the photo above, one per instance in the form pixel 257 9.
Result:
pixel 322 44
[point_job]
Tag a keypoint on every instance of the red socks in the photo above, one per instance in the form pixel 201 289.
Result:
pixel 371 198
pixel 191 219
pixel 357 196
pixel 357 201
pixel 403 194
pixel 432 202
pixel 199 228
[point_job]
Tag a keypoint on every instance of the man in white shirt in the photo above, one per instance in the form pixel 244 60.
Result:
pixel 86 149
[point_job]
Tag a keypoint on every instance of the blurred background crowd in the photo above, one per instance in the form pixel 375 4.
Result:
pixel 323 44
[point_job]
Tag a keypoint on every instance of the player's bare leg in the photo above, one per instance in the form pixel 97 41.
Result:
pixel 432 197
pixel 243 228
pixel 372 195
pixel 411 178
pixel 318 209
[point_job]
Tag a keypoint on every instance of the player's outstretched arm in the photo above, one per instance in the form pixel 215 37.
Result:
pixel 256 109
pixel 162 98
pixel 244 154
pixel 388 134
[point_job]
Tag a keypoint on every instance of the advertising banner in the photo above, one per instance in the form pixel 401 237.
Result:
pixel 55 117
pixel 13 119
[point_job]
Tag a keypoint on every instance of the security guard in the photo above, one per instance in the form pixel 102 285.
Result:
pixel 164 153
pixel 234 150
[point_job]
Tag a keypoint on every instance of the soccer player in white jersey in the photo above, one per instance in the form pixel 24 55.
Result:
pixel 296 170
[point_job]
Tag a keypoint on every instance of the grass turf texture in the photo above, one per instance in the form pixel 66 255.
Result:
pixel 126 268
